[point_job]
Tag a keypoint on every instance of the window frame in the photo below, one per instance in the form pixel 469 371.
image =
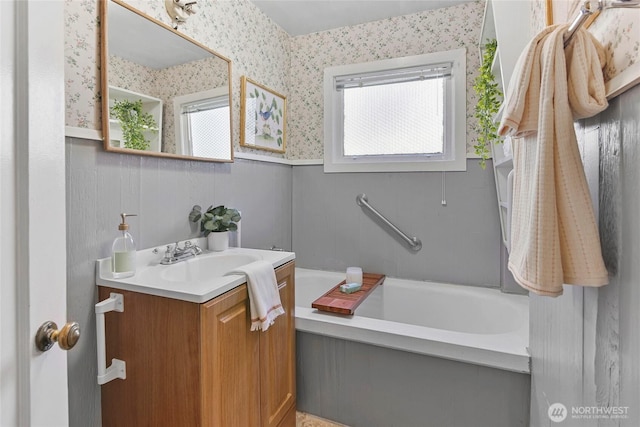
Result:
pixel 455 119
pixel 181 132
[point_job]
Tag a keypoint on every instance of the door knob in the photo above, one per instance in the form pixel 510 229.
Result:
pixel 48 334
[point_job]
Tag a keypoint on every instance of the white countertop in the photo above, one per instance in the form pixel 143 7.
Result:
pixel 151 276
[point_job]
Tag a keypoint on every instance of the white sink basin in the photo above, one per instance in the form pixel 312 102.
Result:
pixel 197 279
pixel 204 267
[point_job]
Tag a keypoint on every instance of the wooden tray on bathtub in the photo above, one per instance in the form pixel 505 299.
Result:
pixel 335 301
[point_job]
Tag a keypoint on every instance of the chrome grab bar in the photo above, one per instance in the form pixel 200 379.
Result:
pixel 414 243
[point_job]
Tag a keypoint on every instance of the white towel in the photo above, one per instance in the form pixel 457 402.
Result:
pixel 264 297
pixel 554 236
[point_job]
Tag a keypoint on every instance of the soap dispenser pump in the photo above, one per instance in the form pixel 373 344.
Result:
pixel 123 251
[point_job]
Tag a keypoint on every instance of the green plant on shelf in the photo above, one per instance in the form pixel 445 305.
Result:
pixel 134 123
pixel 489 100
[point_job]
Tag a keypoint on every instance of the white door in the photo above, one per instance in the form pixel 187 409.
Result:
pixel 33 388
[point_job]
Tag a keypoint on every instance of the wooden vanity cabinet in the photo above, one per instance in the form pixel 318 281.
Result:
pixel 192 364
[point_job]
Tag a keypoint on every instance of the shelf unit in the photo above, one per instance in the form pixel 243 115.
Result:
pixel 508 23
pixel 150 105
pixel 503 173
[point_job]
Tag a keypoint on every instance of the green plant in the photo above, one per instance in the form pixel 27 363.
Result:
pixel 215 219
pixel 134 123
pixel 489 100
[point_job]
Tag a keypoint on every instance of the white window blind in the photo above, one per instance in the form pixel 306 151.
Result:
pixel 400 114
pixel 402 75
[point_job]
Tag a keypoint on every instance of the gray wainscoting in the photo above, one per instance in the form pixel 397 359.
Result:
pixel 362 385
pixel 461 241
pixel 297 208
pixel 100 185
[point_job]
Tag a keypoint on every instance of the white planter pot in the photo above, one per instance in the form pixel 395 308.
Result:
pixel 218 241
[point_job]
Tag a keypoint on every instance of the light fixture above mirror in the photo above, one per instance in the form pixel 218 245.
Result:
pixel 179 10
pixel 163 93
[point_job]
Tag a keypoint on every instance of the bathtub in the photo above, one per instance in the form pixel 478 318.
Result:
pixel 467 324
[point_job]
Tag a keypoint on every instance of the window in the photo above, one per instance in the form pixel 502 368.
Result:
pixel 202 124
pixel 403 114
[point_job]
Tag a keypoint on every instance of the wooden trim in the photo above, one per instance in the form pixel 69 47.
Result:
pixel 548 12
pixel 104 73
pixel 168 27
pixel 104 84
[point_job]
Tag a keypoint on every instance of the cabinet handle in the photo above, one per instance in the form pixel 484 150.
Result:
pixel 118 368
pixel 282 285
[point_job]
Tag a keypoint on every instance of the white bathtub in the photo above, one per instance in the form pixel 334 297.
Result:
pixel 468 324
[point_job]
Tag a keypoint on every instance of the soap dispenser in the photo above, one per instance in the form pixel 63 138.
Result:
pixel 123 251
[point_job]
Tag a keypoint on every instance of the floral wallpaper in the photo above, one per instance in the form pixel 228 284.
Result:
pixel 424 32
pixel 265 53
pixel 236 29
pixel 617 29
pixel 132 76
pixel 294 66
pixel 619 32
pixel 82 56
pixel 538 17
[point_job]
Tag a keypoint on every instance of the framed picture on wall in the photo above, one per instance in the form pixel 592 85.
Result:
pixel 263 117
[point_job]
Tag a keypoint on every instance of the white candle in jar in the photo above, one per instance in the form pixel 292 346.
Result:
pixel 354 275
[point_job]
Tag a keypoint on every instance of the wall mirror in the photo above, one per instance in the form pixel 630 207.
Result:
pixel 163 93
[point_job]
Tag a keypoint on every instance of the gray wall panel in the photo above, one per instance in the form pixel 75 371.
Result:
pixel 585 344
pixel 368 386
pixel 629 278
pixel 461 241
pixel 100 185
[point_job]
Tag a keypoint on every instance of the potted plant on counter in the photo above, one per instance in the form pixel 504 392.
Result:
pixel 215 224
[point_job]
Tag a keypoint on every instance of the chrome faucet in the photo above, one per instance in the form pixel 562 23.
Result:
pixel 176 253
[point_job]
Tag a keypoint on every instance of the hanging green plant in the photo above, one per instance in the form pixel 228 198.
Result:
pixel 489 100
pixel 134 123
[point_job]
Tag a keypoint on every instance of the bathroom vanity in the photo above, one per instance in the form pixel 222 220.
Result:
pixel 196 363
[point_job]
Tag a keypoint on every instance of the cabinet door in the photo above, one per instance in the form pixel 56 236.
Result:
pixel 158 338
pixel 229 362
pixel 277 356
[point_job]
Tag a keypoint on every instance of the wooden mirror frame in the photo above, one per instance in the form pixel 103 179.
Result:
pixel 104 75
